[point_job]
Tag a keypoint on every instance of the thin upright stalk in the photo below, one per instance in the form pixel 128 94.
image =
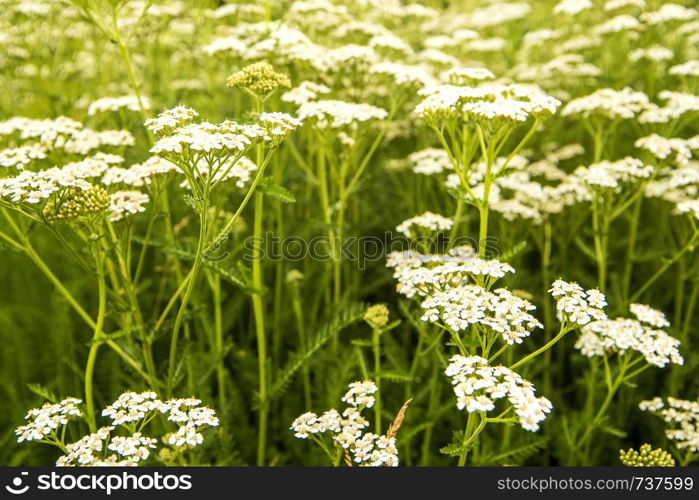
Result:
pixel 191 282
pixel 376 348
pixel 631 249
pixel 96 341
pixel 259 313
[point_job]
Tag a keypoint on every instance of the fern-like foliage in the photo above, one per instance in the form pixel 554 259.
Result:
pixel 343 317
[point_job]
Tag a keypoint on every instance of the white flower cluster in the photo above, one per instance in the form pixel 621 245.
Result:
pixel 430 161
pixel 488 101
pixel 64 134
pixel 577 305
pixel 123 203
pixel 690 207
pixel 614 174
pixel 610 103
pixel 134 448
pixel 677 104
pixel 337 114
pixel 669 12
pixel 461 76
pixel 138 174
pixel 279 125
pixel 85 452
pixel 304 92
pixel 22 156
pixel 127 102
pixel 663 147
pixel 205 137
pixel 192 419
pixel 360 394
pixel 366 449
pixel 131 411
pixel 372 450
pixel 572 7
pixel 403 74
pixel 132 407
pixel 45 420
pixel 498 311
pixel 34 187
pixel 654 53
pixel 171 119
pixel 424 274
pixel 649 316
pixel 622 335
pixel 623 23
pixel 424 224
pixel 620 4
pixel 683 415
pixel 477 385
pixel 689 68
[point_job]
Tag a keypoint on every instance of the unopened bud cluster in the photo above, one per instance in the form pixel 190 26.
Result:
pixel 259 78
pixel 77 203
pixel 646 457
pixel 376 316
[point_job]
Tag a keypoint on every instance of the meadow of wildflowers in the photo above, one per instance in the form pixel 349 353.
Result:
pixel 349 232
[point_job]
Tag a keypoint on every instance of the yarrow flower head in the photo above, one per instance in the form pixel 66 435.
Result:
pixel 376 316
pixel 627 335
pixel 646 456
pixel 487 102
pixel 259 78
pixel 132 407
pixel 75 203
pixel 112 104
pixel 360 394
pixel 577 306
pixel 123 203
pixel 499 311
pixel 425 224
pixel 337 114
pixel 346 429
pixel 682 417
pixel 649 316
pixel 47 419
pixel 421 274
pixel 192 418
pixel 170 119
pixel 608 103
pixel 613 175
pixel 478 385
pixel 122 443
pixel 279 125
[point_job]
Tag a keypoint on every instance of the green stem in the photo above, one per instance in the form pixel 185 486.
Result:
pixel 259 313
pixel 96 341
pixel 548 313
pixel 470 435
pixel 689 246
pixel 543 348
pixel 191 282
pixel 218 339
pixel 376 346
pixel 631 250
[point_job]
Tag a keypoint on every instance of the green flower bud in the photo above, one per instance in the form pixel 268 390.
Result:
pixel 376 316
pixel 74 203
pixel 260 78
pixel 646 457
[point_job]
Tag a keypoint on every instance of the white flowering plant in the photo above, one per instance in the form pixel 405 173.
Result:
pixel 486 208
pixel 122 442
